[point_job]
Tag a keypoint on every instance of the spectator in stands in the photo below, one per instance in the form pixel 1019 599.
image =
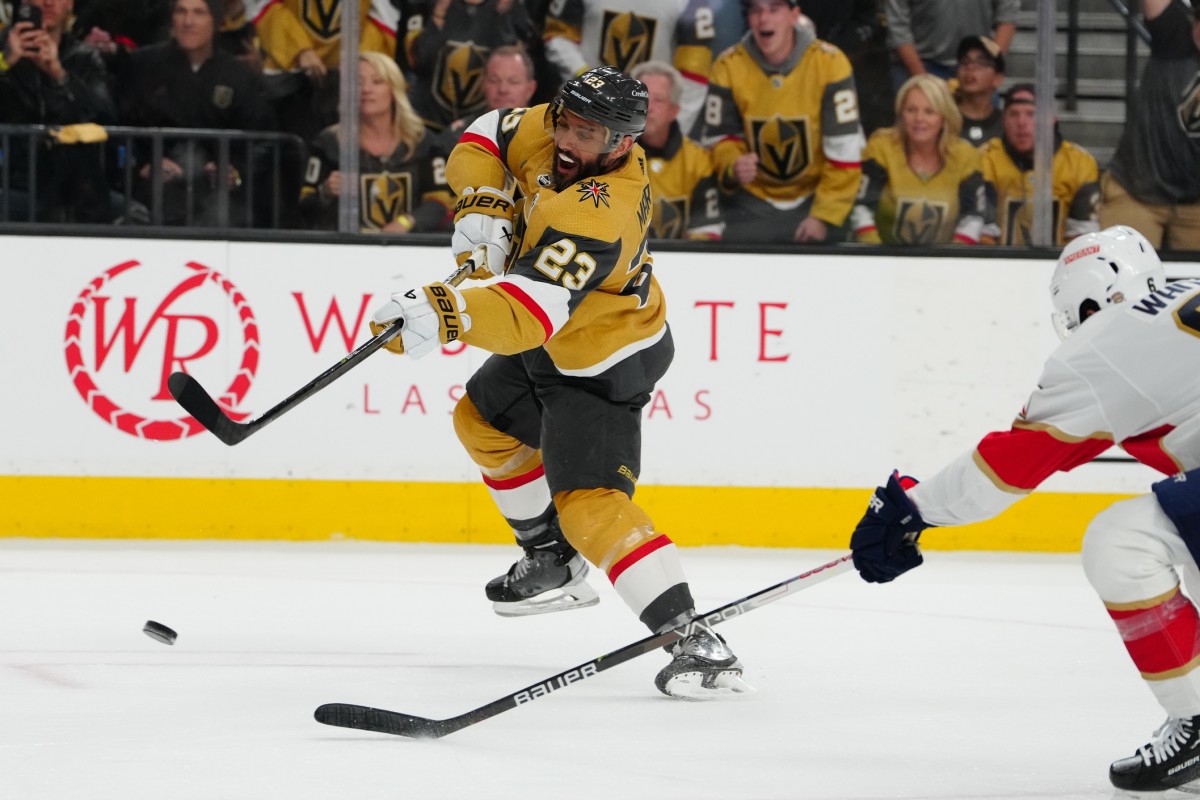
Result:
pixel 49 77
pixel 1153 181
pixel 305 36
pixel 782 120
pixel 236 35
pixel 1008 171
pixel 581 34
pixel 686 199
pixel 301 42
pixel 185 82
pixel 856 28
pixel 921 182
pixel 924 34
pixel 402 179
pixel 115 28
pixel 447 45
pixel 508 82
pixel 980 73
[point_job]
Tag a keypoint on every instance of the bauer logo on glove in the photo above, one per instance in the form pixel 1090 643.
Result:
pixel 429 317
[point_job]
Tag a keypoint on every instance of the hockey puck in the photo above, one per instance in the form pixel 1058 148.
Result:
pixel 159 632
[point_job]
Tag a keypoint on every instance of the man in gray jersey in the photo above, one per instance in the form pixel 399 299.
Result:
pixel 1153 182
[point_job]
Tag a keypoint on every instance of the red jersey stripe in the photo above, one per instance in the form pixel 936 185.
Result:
pixel 1021 458
pixel 482 141
pixel 530 305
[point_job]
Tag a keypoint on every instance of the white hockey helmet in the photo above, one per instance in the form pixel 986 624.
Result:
pixel 1101 269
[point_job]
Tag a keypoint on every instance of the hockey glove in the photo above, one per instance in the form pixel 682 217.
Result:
pixel 483 216
pixel 885 541
pixel 430 315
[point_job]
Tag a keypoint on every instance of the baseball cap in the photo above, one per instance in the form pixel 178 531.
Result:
pixel 1011 99
pixel 983 44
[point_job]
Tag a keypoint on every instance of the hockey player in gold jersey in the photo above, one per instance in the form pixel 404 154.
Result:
pixel 921 182
pixel 578 329
pixel 686 200
pixel 1008 171
pixel 782 120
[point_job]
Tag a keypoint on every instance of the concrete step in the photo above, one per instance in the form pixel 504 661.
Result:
pixel 1100 21
pixel 1099 69
pixel 1086 7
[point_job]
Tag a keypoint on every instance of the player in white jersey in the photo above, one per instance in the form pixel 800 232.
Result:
pixel 1127 374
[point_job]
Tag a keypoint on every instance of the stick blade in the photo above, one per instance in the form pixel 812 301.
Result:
pixel 377 720
pixel 188 392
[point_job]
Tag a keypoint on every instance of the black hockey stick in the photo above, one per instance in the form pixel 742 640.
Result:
pixel 377 720
pixel 188 392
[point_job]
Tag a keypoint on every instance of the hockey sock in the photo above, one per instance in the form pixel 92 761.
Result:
pixel 1160 638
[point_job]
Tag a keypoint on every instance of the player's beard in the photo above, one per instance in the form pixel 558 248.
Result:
pixel 598 167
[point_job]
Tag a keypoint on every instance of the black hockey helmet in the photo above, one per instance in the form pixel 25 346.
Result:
pixel 608 97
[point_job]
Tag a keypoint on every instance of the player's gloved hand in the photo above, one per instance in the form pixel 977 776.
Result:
pixel 431 316
pixel 483 216
pixel 885 541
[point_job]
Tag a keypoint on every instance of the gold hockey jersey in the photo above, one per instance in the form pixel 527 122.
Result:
pixel 578 281
pixel 1009 177
pixel 581 34
pixel 801 119
pixel 287 27
pixel 897 206
pixel 686 200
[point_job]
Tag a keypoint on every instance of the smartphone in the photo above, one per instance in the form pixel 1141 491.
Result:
pixel 28 13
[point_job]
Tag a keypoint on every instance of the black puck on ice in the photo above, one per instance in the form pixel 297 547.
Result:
pixel 159 632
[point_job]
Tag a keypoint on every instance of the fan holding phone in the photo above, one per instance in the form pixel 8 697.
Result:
pixel 48 77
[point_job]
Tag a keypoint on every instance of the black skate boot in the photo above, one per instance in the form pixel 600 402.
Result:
pixel 702 668
pixel 1170 759
pixel 550 577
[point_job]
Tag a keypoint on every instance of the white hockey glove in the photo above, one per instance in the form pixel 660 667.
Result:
pixel 483 216
pixel 431 315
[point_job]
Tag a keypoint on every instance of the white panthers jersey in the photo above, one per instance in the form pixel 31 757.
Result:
pixel 1129 375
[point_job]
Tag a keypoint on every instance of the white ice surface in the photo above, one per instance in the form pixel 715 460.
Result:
pixel 978 676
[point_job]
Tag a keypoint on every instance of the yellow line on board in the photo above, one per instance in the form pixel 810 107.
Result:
pixel 196 508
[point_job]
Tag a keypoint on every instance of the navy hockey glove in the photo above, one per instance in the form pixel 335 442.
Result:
pixel 885 541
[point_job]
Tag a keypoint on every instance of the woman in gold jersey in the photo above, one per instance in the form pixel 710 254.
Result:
pixel 921 183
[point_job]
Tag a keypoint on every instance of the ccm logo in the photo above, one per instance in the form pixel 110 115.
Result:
pixel 1090 250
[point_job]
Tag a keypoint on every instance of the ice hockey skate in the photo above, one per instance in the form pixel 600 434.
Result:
pixel 702 668
pixel 1169 760
pixel 551 576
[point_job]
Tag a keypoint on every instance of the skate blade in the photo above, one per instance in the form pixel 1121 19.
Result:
pixel 690 686
pixel 579 595
pixel 1175 793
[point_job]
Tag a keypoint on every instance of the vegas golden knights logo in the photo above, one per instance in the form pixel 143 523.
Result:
pixel 1018 221
pixel 782 146
pixel 322 17
pixel 1189 109
pixel 384 196
pixel 626 39
pixel 458 77
pixel 918 221
pixel 670 216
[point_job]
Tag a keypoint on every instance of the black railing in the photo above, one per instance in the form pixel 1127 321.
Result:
pixel 218 178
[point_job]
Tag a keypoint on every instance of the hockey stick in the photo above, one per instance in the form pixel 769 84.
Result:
pixel 188 392
pixel 377 720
